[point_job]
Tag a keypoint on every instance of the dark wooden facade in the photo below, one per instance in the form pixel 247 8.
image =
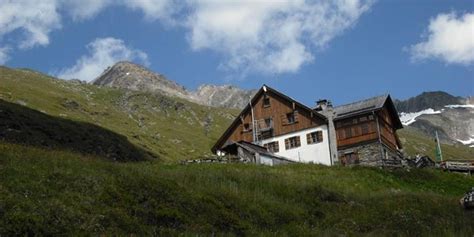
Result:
pixel 272 112
pixel 355 130
pixel 367 130
pixel 363 128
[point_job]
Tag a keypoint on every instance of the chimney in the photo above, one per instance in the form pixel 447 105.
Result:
pixel 323 104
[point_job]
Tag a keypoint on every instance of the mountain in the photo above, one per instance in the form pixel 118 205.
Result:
pixel 130 76
pixel 435 100
pixel 451 116
pixel 58 114
pixel 223 96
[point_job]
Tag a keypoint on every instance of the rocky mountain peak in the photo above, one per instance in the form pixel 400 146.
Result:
pixel 428 100
pixel 131 76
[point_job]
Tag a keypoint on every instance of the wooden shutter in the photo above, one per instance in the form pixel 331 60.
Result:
pixel 308 138
pixel 295 114
pixel 298 142
pixel 287 143
pixel 284 119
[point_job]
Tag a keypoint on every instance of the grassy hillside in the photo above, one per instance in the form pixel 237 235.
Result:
pixel 61 193
pixel 414 142
pixel 168 128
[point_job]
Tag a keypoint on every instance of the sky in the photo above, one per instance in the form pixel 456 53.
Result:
pixel 342 50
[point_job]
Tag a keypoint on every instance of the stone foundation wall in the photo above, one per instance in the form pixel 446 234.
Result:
pixel 372 154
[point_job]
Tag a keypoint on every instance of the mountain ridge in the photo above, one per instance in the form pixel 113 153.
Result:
pixel 131 76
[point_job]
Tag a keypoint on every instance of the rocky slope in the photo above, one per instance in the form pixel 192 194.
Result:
pixel 451 116
pixel 223 96
pixel 127 75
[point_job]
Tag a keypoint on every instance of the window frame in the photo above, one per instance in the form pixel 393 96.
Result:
pixel 266 101
pixel 314 137
pixel 275 145
pixel 247 127
pixel 289 145
pixel 292 116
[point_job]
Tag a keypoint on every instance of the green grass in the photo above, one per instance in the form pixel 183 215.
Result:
pixel 171 128
pixel 414 142
pixel 47 192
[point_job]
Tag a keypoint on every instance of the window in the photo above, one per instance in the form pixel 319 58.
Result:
pixel 247 127
pixel 268 122
pixel 371 117
pixel 291 118
pixel 314 137
pixel 292 142
pixel 266 101
pixel 348 133
pixel 272 146
pixel 350 159
pixel 365 128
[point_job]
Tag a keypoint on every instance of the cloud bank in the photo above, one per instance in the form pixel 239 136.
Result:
pixel 250 35
pixel 269 36
pixel 103 52
pixel 450 38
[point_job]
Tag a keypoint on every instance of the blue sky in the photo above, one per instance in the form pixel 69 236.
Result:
pixel 345 54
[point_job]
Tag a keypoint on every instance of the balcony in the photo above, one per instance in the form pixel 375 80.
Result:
pixel 264 125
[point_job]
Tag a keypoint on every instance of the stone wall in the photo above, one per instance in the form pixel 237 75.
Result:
pixel 372 154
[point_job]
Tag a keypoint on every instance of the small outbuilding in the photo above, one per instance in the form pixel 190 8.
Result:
pixel 247 152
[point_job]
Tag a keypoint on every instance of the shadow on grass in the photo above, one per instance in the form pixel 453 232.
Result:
pixel 22 125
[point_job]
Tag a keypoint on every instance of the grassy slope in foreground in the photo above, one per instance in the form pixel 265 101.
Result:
pixel 55 192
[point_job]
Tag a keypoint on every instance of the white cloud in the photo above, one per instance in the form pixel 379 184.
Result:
pixel 103 52
pixel 35 20
pixel 251 35
pixel 270 36
pixel 450 38
pixel 84 9
pixel 152 9
pixel 155 9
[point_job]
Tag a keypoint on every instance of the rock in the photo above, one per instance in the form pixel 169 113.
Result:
pixel 70 104
pixel 130 76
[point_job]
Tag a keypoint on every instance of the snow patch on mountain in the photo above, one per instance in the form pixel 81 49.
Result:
pixel 409 118
pixel 469 141
pixel 459 106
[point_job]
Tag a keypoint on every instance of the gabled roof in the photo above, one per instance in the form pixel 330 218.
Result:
pixel 259 93
pixel 254 148
pixel 368 105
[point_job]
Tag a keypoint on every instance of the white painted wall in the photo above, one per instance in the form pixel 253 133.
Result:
pixel 264 160
pixel 315 153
